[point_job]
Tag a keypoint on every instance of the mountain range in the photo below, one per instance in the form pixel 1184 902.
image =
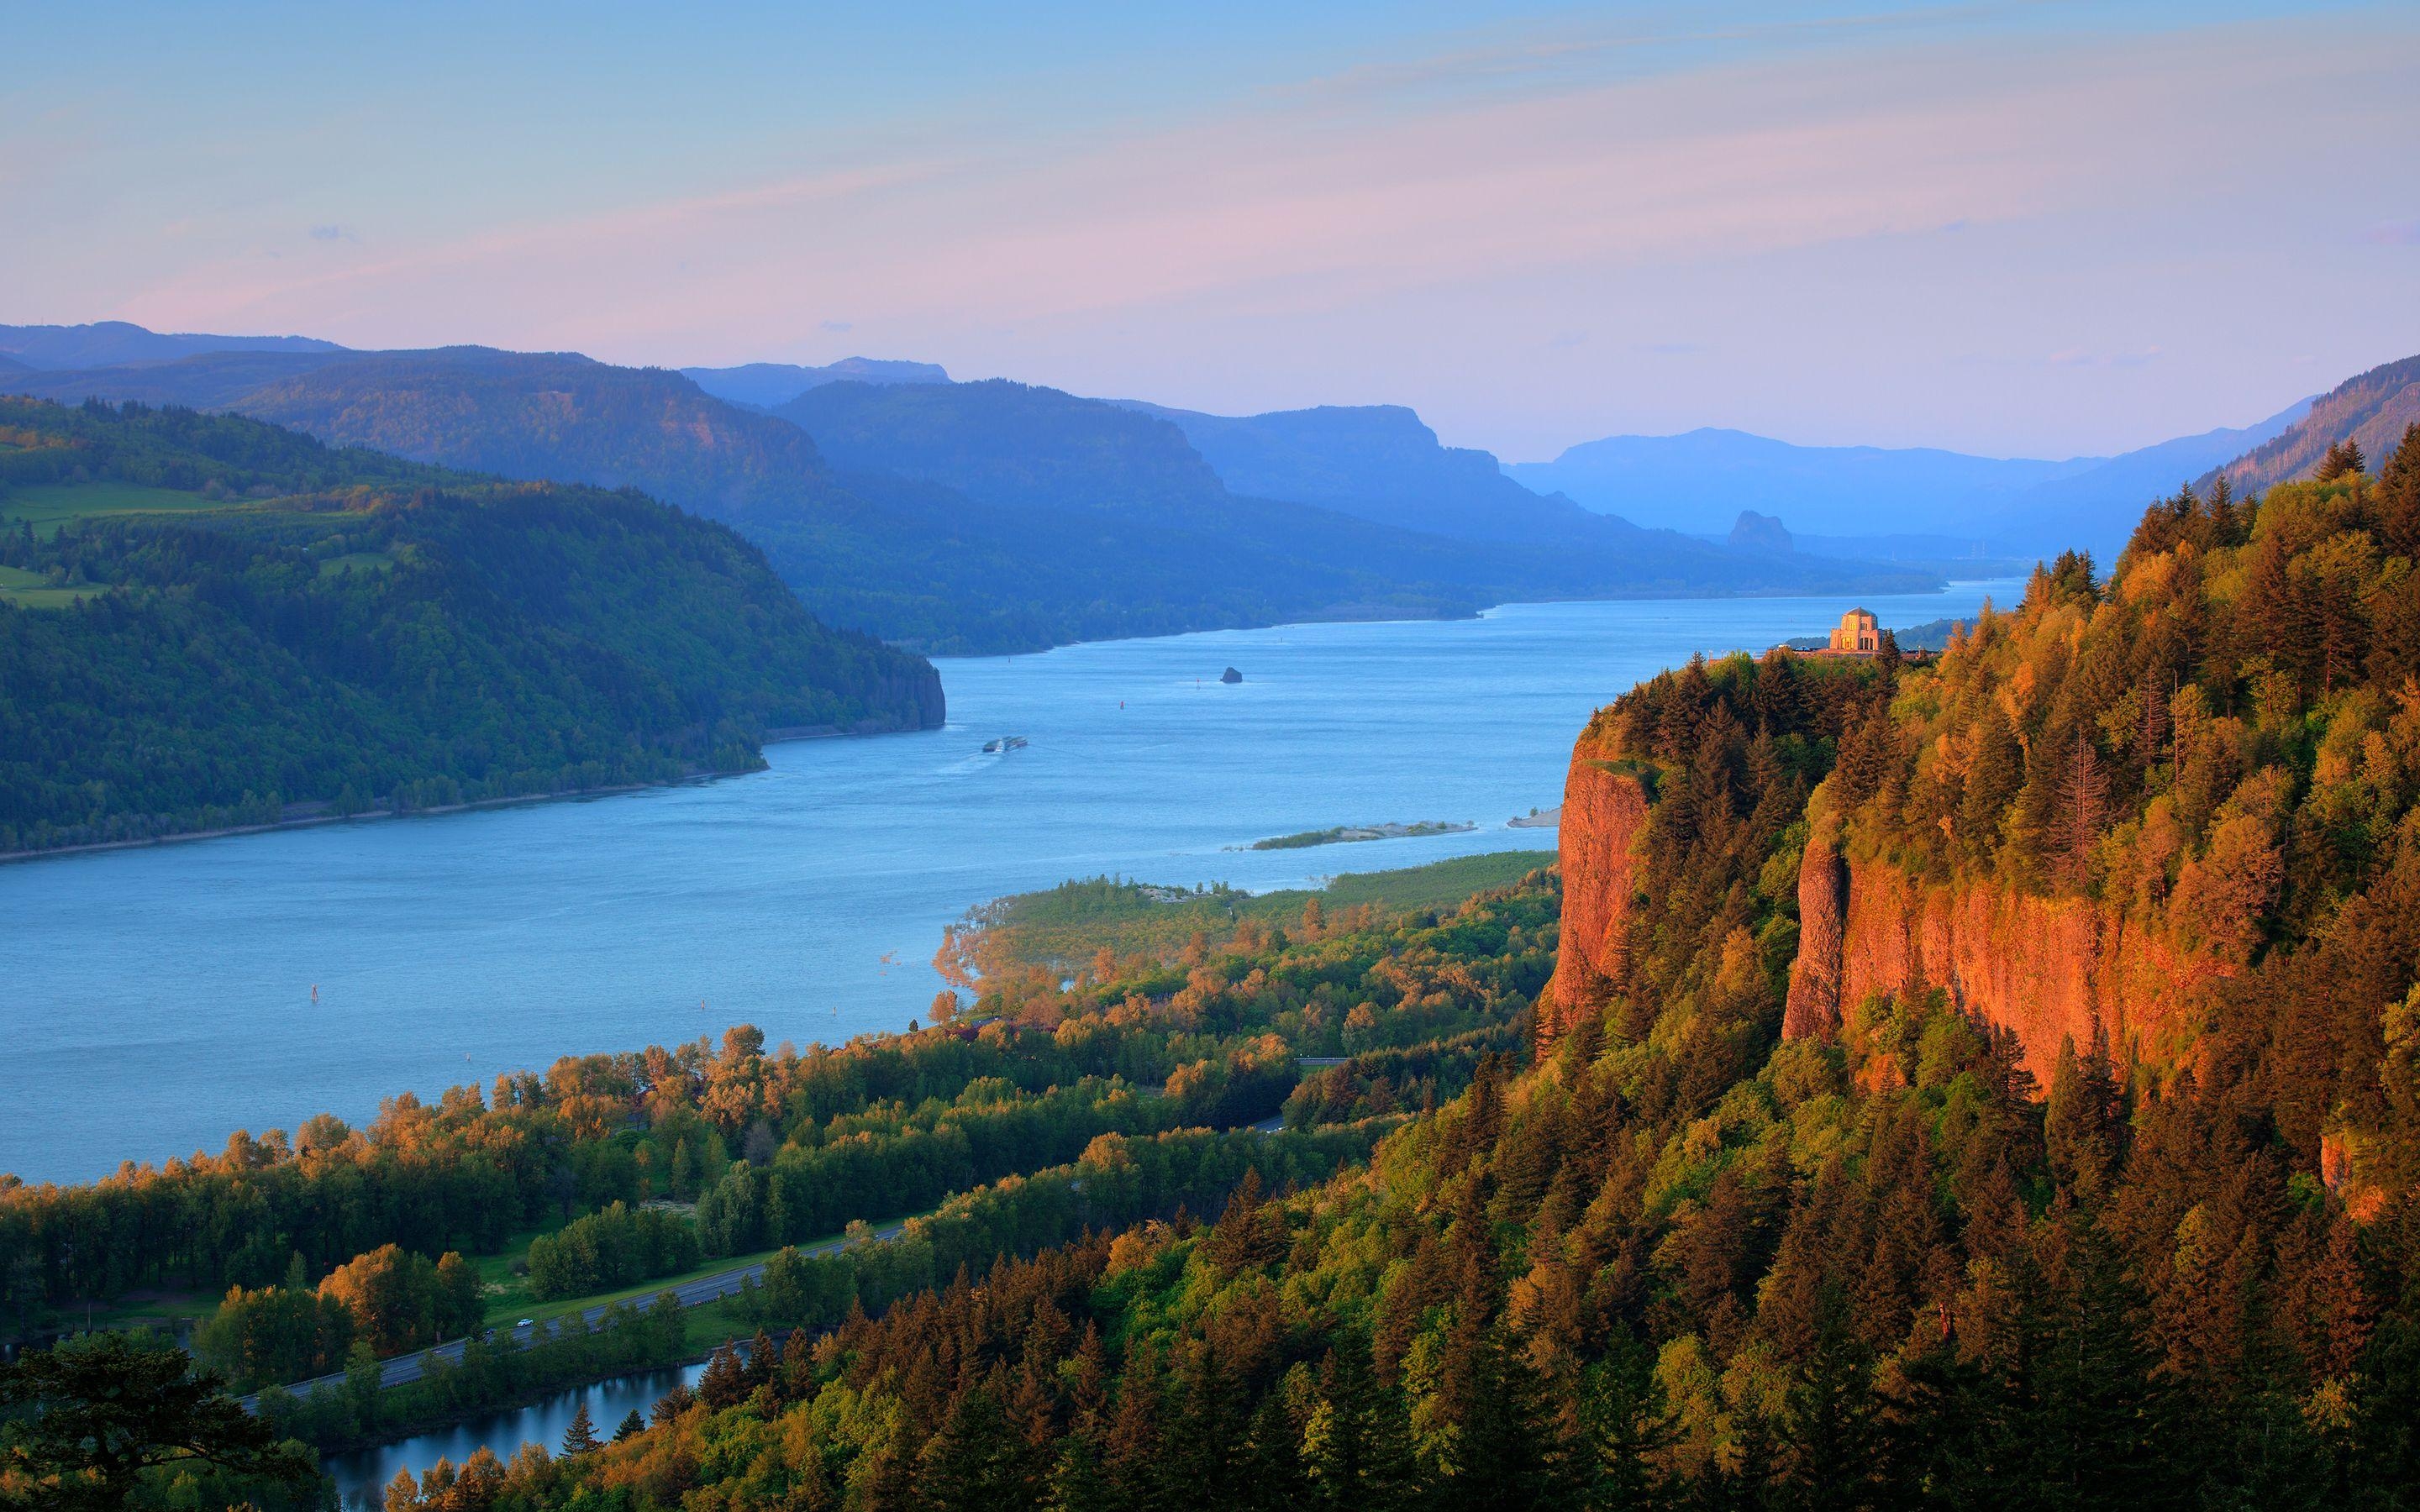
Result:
pixel 108 343
pixel 964 516
pixel 996 515
pixel 1864 495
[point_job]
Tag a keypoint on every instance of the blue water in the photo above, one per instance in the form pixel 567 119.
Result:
pixel 362 1477
pixel 154 1000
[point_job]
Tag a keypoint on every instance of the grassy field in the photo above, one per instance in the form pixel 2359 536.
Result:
pixel 27 590
pixel 50 505
pixel 1062 926
pixel 358 561
pixel 154 1309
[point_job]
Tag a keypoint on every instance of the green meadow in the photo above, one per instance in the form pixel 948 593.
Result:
pixel 47 506
pixel 31 589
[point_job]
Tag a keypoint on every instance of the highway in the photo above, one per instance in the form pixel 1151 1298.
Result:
pixel 403 1370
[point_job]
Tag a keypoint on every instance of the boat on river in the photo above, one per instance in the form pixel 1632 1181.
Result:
pixel 1004 745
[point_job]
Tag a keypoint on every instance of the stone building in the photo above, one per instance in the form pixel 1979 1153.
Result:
pixel 1857 634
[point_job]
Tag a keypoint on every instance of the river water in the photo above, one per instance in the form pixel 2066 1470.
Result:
pixel 362 1477
pixel 154 1000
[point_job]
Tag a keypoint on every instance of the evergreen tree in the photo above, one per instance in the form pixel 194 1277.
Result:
pixel 2084 799
pixel 2398 497
pixel 1624 1429
pixel 581 1437
pixel 2343 459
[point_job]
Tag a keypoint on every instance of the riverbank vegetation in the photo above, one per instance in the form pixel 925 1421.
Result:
pixel 771 1149
pixel 1350 834
pixel 1066 928
pixel 210 623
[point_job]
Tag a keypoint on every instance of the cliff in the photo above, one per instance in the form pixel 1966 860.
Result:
pixel 2051 968
pixel 1604 809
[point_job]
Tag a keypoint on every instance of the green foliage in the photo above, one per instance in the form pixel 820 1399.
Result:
pixel 108 1422
pixel 611 1249
pixel 1679 1262
pixel 350 632
pixel 495 1368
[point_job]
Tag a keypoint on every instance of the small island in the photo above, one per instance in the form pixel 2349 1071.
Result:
pixel 1346 834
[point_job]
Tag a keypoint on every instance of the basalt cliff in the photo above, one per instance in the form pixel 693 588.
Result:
pixel 2162 823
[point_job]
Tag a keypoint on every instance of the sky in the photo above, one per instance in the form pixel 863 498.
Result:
pixel 2020 230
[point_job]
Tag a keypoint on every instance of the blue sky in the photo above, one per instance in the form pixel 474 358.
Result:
pixel 2039 228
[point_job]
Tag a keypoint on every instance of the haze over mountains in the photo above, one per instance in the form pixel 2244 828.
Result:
pixel 996 515
pixel 982 516
pixel 1858 496
pixel 764 385
pixel 106 342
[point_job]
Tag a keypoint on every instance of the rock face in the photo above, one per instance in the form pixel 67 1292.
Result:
pixel 1603 812
pixel 2047 968
pixel 1230 675
pixel 1814 1007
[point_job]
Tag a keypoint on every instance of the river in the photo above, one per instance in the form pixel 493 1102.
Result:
pixel 362 1475
pixel 156 999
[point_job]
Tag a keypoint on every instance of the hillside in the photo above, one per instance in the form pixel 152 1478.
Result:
pixel 1369 490
pixel 110 343
pixel 2096 510
pixel 310 630
pixel 1760 1163
pixel 2370 410
pixel 915 562
pixel 961 518
pixel 764 385
pixel 1008 444
pixel 1379 462
pixel 1804 1192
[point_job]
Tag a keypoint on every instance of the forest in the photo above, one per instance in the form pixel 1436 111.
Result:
pixel 1638 1238
pixel 1679 1259
pixel 313 631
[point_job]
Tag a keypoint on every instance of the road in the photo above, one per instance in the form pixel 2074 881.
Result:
pixel 403 1370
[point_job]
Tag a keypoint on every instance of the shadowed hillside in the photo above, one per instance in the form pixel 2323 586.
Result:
pixel 208 622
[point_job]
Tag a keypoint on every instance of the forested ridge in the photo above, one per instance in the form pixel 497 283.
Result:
pixel 267 622
pixel 1682 1259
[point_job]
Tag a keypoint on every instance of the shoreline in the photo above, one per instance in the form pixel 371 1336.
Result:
pixel 1388 616
pixel 782 736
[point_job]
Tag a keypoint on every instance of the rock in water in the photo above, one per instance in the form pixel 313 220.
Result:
pixel 1230 675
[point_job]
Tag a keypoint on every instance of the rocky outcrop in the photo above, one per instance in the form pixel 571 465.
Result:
pixel 2050 968
pixel 1603 811
pixel 1814 1007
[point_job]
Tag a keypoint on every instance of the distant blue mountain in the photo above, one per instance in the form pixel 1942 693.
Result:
pixel 118 343
pixel 1699 482
pixel 2098 509
pixel 770 385
pixel 1379 462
